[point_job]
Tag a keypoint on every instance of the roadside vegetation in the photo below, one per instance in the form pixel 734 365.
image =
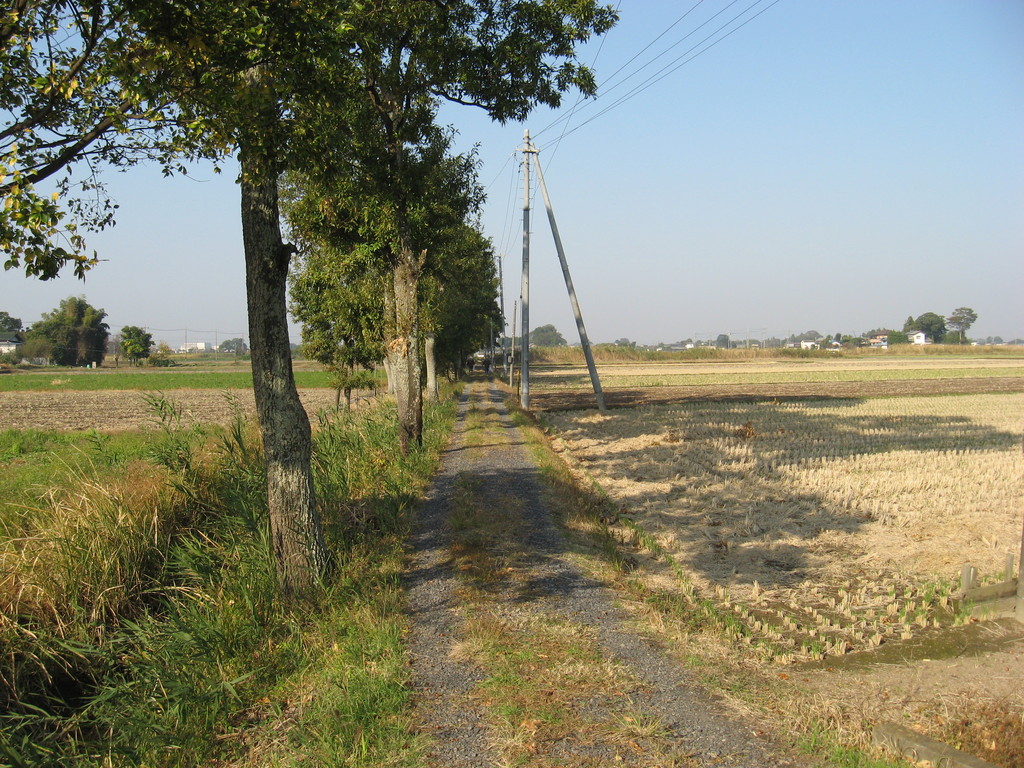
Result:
pixel 140 619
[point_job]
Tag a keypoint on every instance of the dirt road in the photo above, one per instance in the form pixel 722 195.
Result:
pixel 518 656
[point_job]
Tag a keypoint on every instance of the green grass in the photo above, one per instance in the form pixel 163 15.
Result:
pixel 32 461
pixel 139 619
pixel 59 379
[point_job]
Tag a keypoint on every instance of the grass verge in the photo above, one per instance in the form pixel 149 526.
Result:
pixel 140 623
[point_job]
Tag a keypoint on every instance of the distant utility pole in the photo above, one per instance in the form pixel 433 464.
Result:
pixel 524 396
pixel 524 298
pixel 501 308
pixel 512 360
pixel 584 340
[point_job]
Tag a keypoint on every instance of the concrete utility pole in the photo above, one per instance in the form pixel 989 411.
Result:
pixel 512 356
pixel 584 340
pixel 524 368
pixel 501 308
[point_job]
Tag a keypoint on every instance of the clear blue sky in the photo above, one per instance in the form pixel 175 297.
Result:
pixel 830 165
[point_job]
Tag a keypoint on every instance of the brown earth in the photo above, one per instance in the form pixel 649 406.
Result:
pixel 111 411
pixel 564 400
pixel 114 411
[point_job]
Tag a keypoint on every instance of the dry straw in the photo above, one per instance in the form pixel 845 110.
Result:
pixel 824 527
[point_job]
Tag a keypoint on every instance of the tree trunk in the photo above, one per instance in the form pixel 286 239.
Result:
pixel 297 541
pixel 390 388
pixel 431 361
pixel 403 352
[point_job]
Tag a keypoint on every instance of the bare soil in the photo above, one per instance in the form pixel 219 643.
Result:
pixel 629 397
pixel 115 411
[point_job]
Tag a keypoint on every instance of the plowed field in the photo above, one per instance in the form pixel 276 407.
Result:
pixel 112 410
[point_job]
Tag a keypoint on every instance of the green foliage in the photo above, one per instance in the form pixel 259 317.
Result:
pixel 235 346
pixel 75 332
pixel 460 296
pixel 547 336
pixel 960 321
pixel 37 348
pixel 338 297
pixel 170 640
pixel 9 324
pixel 135 343
pixel 76 93
pixel 933 326
pixel 897 337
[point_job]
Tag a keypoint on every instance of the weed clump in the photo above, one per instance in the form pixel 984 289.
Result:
pixel 140 622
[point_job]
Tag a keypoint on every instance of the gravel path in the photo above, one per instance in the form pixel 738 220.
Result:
pixel 698 727
pixel 442 684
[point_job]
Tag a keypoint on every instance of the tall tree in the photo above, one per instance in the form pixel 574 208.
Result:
pixel 547 336
pixel 961 319
pixel 248 78
pixel 502 57
pixel 460 302
pixel 243 71
pixel 340 291
pixel 337 296
pixel 75 331
pixel 135 343
pixel 933 325
pixel 9 324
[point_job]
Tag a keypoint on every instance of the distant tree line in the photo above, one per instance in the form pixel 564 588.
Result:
pixel 75 334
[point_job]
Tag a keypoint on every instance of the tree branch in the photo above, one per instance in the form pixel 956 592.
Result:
pixel 69 154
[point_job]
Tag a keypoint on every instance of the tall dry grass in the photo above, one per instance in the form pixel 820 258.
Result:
pixel 140 622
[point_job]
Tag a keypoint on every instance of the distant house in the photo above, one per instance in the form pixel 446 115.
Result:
pixel 10 342
pixel 195 346
pixel 879 342
pixel 808 344
pixel 918 337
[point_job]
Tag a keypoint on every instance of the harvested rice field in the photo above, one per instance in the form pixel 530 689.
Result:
pixel 820 527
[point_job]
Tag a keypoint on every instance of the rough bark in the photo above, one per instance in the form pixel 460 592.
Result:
pixel 430 358
pixel 403 353
pixel 299 550
pixel 390 375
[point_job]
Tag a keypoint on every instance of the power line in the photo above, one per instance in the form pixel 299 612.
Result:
pixel 610 85
pixel 668 69
pixel 680 61
pixel 579 96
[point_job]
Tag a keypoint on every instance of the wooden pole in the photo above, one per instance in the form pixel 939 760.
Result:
pixel 584 340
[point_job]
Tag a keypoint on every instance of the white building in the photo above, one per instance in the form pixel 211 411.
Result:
pixel 195 346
